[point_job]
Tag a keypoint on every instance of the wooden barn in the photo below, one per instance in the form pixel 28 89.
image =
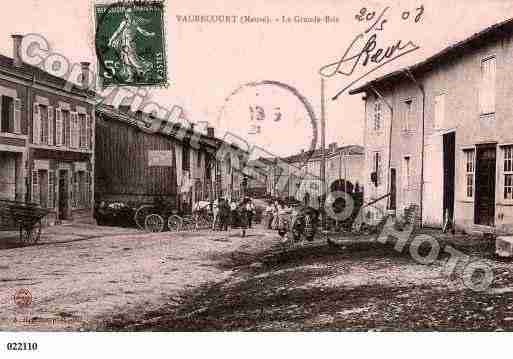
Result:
pixel 134 166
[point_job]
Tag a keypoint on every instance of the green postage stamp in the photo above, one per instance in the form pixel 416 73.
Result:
pixel 130 43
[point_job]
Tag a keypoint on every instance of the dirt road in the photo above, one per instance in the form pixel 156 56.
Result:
pixel 80 280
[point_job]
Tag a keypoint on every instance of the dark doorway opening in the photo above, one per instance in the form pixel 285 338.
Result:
pixel 393 189
pixel 484 209
pixel 449 143
pixel 63 194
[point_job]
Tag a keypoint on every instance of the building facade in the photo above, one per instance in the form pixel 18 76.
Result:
pixel 46 139
pixel 176 164
pixel 300 178
pixel 439 135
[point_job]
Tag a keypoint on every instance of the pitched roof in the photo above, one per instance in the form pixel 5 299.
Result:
pixel 40 75
pixel 498 30
pixel 130 119
pixel 316 154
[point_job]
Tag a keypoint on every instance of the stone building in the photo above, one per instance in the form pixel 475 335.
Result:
pixel 438 134
pixel 46 139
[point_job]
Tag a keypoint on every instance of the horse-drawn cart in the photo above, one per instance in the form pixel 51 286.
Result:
pixel 23 217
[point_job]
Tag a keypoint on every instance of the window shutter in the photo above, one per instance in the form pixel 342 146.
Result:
pixel 51 189
pixel 58 127
pixel 74 130
pixel 50 126
pixel 36 125
pixel 412 115
pixel 67 129
pixel 35 187
pixel 487 87
pixel 17 115
pixel 88 132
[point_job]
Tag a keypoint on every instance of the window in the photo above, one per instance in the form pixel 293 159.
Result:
pixel 408 114
pixel 406 173
pixel 508 172
pixel 439 120
pixel 469 173
pixel 186 158
pixel 377 115
pixel 7 114
pixel 487 87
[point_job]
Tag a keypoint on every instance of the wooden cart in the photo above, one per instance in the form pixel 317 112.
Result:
pixel 23 217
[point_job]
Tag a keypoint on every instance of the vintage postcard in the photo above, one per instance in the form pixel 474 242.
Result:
pixel 239 166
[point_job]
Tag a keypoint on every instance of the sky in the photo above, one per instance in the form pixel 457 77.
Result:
pixel 210 65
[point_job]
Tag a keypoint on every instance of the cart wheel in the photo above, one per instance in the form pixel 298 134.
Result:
pixel 30 234
pixel 141 213
pixel 174 223
pixel 154 223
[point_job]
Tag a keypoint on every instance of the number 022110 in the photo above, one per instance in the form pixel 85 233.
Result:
pixel 21 346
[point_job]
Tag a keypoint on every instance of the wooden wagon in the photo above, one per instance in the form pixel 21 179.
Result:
pixel 23 217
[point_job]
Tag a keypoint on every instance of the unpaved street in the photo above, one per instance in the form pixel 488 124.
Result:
pixel 106 278
pixel 81 279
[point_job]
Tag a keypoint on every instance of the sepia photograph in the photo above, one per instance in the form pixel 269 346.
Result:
pixel 228 178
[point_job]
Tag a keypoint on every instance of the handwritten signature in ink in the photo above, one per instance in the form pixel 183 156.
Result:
pixel 370 55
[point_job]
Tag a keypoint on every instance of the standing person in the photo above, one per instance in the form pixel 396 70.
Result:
pixel 250 207
pixel 276 211
pixel 268 215
pixel 224 214
pixel 215 212
pixel 243 215
pixel 233 213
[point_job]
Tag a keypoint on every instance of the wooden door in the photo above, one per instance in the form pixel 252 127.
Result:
pixel 484 211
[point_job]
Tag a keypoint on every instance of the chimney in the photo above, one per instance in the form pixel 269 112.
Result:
pixel 16 45
pixel 210 131
pixel 85 75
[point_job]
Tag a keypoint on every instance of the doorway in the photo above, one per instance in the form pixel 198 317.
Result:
pixel 484 209
pixel 393 189
pixel 449 160
pixel 63 194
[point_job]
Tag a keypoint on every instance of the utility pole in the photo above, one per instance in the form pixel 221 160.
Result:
pixel 323 156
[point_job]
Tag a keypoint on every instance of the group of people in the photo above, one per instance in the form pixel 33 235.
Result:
pixel 232 213
pixel 272 213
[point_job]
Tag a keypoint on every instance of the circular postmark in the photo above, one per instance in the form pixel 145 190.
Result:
pixel 22 297
pixel 272 117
